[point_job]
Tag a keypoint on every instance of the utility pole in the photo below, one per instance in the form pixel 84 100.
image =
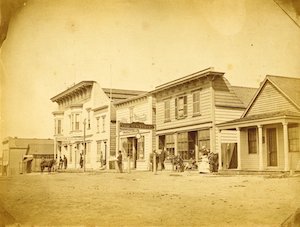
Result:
pixel 84 145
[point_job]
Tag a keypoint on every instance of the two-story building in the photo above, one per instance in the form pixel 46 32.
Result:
pixel 188 109
pixel 136 129
pixel 267 136
pixel 85 121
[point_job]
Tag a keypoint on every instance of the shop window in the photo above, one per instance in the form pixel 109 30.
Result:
pixel 293 134
pixel 167 110
pixel 204 139
pixel 99 151
pixel 252 141
pixel 181 107
pixel 182 145
pixel 141 148
pixel 170 145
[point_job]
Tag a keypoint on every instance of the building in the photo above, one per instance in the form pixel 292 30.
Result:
pixel 136 129
pixel 188 109
pixel 85 120
pixel 267 136
pixel 15 150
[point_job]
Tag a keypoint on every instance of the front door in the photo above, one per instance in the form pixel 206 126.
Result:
pixel 272 146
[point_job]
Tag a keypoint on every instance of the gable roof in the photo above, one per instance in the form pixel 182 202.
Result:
pixel 287 86
pixel 121 94
pixel 245 94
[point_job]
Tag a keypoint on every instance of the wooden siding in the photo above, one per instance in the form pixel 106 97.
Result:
pixel 249 161
pixel 228 136
pixel 270 100
pixel 112 142
pixel 205 109
pixel 227 114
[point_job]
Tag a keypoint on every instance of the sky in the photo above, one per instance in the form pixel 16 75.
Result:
pixel 135 44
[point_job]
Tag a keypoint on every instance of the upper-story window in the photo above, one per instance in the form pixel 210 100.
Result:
pixel 196 103
pixel 103 123
pixel 98 125
pixel 59 131
pixel 252 142
pixel 167 110
pixel 75 119
pixel 181 107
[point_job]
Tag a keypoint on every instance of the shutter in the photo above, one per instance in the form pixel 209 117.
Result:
pixel 176 112
pixel 185 105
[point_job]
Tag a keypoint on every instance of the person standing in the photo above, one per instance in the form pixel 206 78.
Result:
pixel 162 158
pixel 81 161
pixel 61 162
pixel 65 162
pixel 119 161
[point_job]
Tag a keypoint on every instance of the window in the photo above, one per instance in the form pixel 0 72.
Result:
pixel 58 126
pixel 141 148
pixel 293 132
pixel 252 142
pixel 170 145
pixel 167 110
pixel 182 140
pixel 181 107
pixel 103 123
pixel 98 125
pixel 76 121
pixel 203 139
pixel 196 103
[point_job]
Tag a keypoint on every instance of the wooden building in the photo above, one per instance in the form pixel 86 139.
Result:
pixel 136 130
pixel 188 109
pixel 267 136
pixel 15 150
pixel 85 119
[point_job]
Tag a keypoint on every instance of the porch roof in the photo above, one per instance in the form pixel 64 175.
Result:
pixel 266 118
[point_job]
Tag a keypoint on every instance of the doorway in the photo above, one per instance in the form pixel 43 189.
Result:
pixel 271 147
pixel 229 155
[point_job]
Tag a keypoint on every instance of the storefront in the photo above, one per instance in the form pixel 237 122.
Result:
pixel 136 142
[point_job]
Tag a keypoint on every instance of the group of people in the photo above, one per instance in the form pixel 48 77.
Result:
pixel 159 158
pixel 63 163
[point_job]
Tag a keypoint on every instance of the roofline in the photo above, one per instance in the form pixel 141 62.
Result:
pixel 247 123
pixel 192 76
pixel 259 90
pixel 133 98
pixel 73 88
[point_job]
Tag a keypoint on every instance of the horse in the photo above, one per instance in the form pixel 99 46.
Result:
pixel 47 163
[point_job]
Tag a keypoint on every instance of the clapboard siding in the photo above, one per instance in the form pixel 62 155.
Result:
pixel 228 136
pixel 270 100
pixel 227 114
pixel 248 161
pixel 205 109
pixel 112 139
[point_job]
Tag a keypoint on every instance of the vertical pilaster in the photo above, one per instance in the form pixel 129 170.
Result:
pixel 175 143
pixel 239 165
pixel 260 148
pixel 220 150
pixel 286 147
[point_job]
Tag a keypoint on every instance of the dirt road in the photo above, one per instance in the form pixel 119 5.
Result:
pixel 145 199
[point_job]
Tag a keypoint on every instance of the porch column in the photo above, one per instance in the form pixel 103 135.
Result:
pixel 156 143
pixel 260 148
pixel 239 166
pixel 286 146
pixel 175 144
pixel 220 150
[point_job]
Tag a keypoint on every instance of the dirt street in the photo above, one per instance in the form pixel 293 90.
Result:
pixel 145 199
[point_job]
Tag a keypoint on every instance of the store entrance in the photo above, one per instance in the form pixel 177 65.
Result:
pixel 132 149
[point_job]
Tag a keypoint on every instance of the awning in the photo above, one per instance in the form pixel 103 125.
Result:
pixel 27 158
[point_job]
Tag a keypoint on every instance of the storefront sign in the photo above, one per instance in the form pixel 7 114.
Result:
pixel 137 125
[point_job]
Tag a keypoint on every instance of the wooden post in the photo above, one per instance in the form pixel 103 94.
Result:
pixel 154 164
pixel 84 146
